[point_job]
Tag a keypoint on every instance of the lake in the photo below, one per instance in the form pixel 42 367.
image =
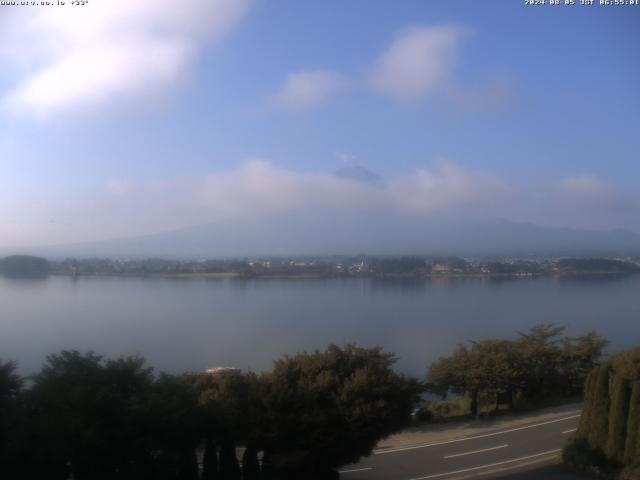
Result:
pixel 189 325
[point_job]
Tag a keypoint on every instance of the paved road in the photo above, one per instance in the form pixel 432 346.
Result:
pixel 487 455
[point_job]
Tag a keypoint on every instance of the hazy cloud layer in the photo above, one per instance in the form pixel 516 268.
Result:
pixel 77 57
pixel 308 88
pixel 259 190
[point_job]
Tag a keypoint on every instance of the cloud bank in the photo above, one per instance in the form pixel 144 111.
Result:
pixel 82 57
pixel 259 190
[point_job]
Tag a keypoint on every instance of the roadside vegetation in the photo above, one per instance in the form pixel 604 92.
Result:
pixel 607 442
pixel 537 368
pixel 85 417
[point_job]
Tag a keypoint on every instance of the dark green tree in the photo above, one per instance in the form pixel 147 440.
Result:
pixel 491 367
pixel 618 416
pixel 250 464
pixel 12 441
pixel 327 409
pixel 584 425
pixel 541 361
pixel 91 415
pixel 578 356
pixel 599 416
pixel 632 446
pixel 229 466
pixel 210 461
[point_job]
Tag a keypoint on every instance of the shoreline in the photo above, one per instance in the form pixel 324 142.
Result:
pixel 312 276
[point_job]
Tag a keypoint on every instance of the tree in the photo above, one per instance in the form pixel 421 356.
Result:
pixel 632 446
pixel 326 409
pixel 578 357
pixel 210 461
pixel 11 436
pixel 536 366
pixel 24 265
pixel 541 361
pixel 250 464
pixel 491 367
pixel 229 466
pixel 584 425
pixel 599 416
pixel 175 423
pixel 618 417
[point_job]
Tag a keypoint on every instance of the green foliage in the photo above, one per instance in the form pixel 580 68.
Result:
pixel 578 357
pixel 399 266
pixel 632 447
pixel 627 364
pixel 210 461
pixel 229 466
pixel 538 365
pixel 10 382
pixel 10 416
pixel 250 464
pixel 329 408
pixel 618 416
pixel 580 455
pixel 595 265
pixel 599 417
pixel 100 419
pixel 584 425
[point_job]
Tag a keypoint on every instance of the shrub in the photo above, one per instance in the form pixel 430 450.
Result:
pixel 579 454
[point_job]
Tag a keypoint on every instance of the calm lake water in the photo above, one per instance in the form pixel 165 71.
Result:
pixel 180 324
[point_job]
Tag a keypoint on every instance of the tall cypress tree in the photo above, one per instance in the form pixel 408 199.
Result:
pixel 587 406
pixel 618 417
pixel 188 465
pixel 210 461
pixel 599 416
pixel 229 466
pixel 632 447
pixel 250 464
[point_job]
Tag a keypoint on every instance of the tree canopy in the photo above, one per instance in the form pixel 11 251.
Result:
pixel 535 366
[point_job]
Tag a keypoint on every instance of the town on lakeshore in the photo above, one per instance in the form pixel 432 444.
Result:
pixel 417 266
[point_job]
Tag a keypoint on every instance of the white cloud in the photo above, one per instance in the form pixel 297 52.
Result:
pixel 84 57
pixel 308 88
pixel 420 61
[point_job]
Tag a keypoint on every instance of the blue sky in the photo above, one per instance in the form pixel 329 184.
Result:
pixel 118 120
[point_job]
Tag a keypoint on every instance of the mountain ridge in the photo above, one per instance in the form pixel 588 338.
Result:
pixel 323 235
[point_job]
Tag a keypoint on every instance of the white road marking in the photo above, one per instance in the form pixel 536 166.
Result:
pixel 477 451
pixel 403 449
pixel 503 468
pixel 481 467
pixel 569 431
pixel 356 470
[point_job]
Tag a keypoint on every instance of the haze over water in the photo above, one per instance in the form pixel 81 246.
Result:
pixel 181 325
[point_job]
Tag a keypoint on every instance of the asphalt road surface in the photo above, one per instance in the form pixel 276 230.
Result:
pixel 494 454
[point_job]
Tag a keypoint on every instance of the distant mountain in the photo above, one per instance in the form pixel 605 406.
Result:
pixel 323 234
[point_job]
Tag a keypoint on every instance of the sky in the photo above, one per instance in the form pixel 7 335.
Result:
pixel 122 118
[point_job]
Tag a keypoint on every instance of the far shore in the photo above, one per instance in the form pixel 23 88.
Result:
pixel 306 276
